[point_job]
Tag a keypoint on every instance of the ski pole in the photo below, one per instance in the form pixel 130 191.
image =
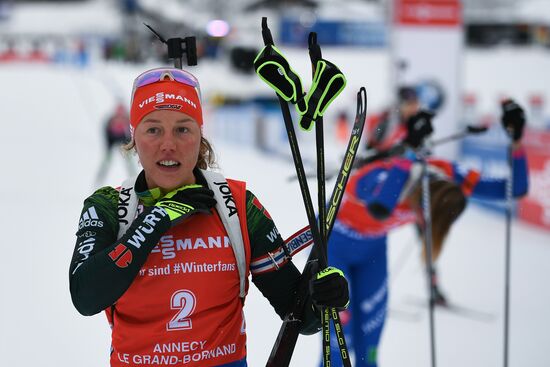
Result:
pixel 282 358
pixel 326 313
pixel 270 65
pixel 289 328
pixel 288 333
pixel 509 208
pixel 315 55
pixel 427 218
pixel 469 130
pixel 399 149
pixel 297 158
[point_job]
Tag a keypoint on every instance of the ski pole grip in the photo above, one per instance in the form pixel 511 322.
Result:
pixel 266 33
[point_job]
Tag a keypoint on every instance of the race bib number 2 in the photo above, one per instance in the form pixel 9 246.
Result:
pixel 184 301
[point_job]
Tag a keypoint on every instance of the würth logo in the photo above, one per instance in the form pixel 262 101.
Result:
pixel 121 255
pixel 90 219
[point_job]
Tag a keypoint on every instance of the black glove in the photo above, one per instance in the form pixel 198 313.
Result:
pixel 329 288
pixel 418 127
pixel 513 119
pixel 185 201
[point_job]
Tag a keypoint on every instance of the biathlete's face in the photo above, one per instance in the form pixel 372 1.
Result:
pixel 409 108
pixel 168 144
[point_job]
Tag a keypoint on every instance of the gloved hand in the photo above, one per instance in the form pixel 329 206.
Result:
pixel 418 127
pixel 329 288
pixel 185 201
pixel 513 119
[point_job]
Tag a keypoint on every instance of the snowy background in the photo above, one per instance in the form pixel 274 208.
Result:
pixel 51 147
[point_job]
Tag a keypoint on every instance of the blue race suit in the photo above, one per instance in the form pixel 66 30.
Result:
pixel 358 243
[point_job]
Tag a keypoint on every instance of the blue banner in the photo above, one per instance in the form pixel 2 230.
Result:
pixel 334 33
pixel 487 153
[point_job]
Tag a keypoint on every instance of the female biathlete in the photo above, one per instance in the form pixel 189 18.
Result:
pixel 168 254
pixel 384 195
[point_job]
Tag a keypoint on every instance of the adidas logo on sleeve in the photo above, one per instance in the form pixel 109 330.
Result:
pixel 89 219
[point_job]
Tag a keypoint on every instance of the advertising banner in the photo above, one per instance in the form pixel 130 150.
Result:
pixel 427 41
pixel 535 208
pixel 334 33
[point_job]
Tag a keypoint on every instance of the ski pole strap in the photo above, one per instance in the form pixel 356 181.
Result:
pixel 328 83
pixel 273 260
pixel 273 68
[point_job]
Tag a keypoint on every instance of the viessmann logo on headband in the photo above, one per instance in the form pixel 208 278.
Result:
pixel 162 97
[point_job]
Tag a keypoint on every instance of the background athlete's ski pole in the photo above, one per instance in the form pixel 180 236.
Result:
pixel 513 120
pixel 418 128
pixel 469 130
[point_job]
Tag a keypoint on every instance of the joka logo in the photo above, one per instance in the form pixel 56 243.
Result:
pixel 90 219
pixel 121 256
pixel 123 204
pixel 225 192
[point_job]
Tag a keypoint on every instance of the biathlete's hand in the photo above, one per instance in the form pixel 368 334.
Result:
pixel 185 201
pixel 419 126
pixel 329 288
pixel 513 119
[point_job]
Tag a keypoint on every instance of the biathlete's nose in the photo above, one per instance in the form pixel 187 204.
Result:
pixel 168 143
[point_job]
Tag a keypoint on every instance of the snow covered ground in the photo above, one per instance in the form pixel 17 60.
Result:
pixel 50 151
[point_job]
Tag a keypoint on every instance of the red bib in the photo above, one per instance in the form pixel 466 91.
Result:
pixel 183 308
